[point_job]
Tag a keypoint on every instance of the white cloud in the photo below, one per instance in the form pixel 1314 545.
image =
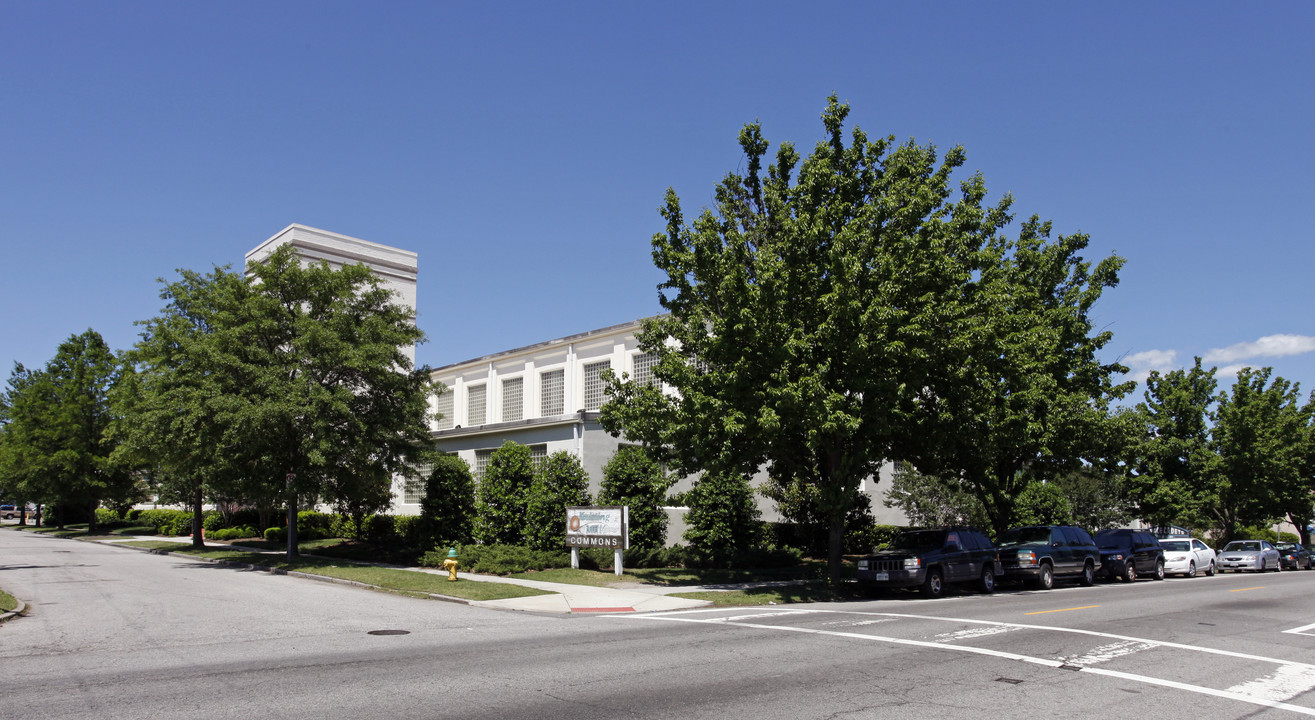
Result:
pixel 1268 346
pixel 1141 364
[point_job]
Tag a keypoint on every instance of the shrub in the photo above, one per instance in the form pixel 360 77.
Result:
pixel 212 520
pixel 503 494
pixel 167 522
pixel 732 559
pixel 722 517
pixel 312 525
pixel 559 484
pixel 276 534
pixel 634 479
pixel 449 502
pixel 863 539
pixel 380 530
pixel 236 533
pixel 499 559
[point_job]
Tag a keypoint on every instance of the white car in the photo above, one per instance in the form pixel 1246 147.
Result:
pixel 1257 555
pixel 1187 556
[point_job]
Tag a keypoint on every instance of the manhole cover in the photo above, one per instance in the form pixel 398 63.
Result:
pixel 389 632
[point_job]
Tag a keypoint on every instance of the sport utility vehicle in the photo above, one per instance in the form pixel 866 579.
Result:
pixel 931 558
pixel 9 512
pixel 1126 552
pixel 1040 553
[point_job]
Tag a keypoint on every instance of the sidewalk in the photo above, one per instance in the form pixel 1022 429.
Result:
pixel 568 598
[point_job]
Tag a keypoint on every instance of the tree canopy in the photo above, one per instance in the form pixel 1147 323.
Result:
pixel 844 309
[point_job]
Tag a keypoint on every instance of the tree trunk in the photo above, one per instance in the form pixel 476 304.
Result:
pixel 198 519
pixel 835 548
pixel 292 526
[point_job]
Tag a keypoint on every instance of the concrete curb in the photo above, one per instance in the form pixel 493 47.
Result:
pixel 22 608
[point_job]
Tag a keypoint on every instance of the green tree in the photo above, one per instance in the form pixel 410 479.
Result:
pixel 800 505
pixel 824 324
pixel 561 482
pixel 56 441
pixel 1096 498
pixel 929 500
pixel 448 506
pixel 1173 456
pixel 303 373
pixel 1018 393
pixel 633 478
pixel 723 516
pixel 1259 432
pixel 1042 504
pixel 504 494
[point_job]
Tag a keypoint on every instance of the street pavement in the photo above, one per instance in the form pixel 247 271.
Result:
pixel 566 598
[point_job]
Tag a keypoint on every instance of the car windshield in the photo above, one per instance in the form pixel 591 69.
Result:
pixel 1243 546
pixel 1176 545
pixel 1023 535
pixel 1113 541
pixel 1286 546
pixel 919 540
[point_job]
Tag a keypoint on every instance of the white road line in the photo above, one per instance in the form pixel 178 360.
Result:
pixel 1303 630
pixel 1105 653
pixel 970 633
pixel 859 623
pixel 1284 683
pixel 1045 662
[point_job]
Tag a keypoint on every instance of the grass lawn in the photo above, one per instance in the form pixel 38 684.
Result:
pixel 7 602
pixel 402 581
pixel 811 592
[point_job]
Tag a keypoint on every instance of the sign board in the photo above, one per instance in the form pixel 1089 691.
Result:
pixel 598 526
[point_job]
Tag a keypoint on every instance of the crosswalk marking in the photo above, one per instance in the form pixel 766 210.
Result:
pixel 1285 683
pixel 1105 653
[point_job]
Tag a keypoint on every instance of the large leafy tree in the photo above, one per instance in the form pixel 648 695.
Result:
pixel 1259 434
pixel 1017 392
pixel 822 323
pixel 293 383
pixel 55 435
pixel 1173 455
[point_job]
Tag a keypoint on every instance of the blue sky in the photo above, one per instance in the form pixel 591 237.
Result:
pixel 522 149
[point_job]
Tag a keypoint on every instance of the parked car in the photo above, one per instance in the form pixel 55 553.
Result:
pixel 1187 556
pixel 10 512
pixel 1124 553
pixel 1038 554
pixel 1292 556
pixel 1257 555
pixel 930 558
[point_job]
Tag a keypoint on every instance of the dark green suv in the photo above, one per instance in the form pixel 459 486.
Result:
pixel 930 558
pixel 1038 554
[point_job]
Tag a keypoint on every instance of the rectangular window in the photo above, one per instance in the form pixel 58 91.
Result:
pixel 513 399
pixel 414 488
pixel 482 463
pixel 552 393
pixel 477 397
pixel 444 406
pixel 594 390
pixel 642 372
pixel 538 456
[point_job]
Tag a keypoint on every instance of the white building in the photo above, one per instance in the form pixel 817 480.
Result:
pixel 545 396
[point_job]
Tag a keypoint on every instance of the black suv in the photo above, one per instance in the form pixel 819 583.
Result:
pixel 1040 553
pixel 932 557
pixel 1126 552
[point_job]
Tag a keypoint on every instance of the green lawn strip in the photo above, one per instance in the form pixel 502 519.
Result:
pixel 407 581
pixel 7 602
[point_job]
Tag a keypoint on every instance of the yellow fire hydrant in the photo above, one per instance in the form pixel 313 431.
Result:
pixel 451 564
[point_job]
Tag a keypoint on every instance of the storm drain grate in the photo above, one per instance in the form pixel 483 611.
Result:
pixel 1011 681
pixel 389 632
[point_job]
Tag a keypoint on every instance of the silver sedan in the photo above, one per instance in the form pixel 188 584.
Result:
pixel 1257 555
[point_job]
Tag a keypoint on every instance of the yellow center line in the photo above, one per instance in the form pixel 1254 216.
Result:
pixel 1262 587
pixel 1043 612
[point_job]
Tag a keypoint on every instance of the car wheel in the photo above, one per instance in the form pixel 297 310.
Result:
pixel 1046 578
pixel 933 586
pixel 1159 570
pixel 1130 572
pixel 1210 571
pixel 1191 569
pixel 1089 574
pixel 987 583
pixel 1264 566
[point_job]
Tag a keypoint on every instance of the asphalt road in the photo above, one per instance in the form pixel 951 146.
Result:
pixel 115 633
